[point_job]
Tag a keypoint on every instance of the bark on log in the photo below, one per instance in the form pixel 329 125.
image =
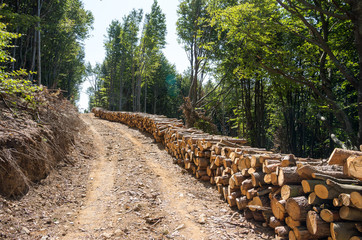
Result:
pixel 307 171
pixel 317 226
pixel 242 202
pixel 288 175
pixel 356 199
pixel 308 185
pixel 298 208
pixel 330 215
pixel 339 156
pixel 291 223
pixel 274 222
pixel 343 230
pixel 343 179
pixel 282 231
pixel 325 191
pixel 353 167
pixel 302 233
pixel 289 191
pixel 247 184
pixel 257 179
pixel 351 214
pixel 278 207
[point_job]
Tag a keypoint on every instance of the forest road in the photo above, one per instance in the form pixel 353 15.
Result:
pixel 122 185
pixel 136 192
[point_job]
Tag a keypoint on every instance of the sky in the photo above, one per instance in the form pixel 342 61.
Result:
pixel 104 11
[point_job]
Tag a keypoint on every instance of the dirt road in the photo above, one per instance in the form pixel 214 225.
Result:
pixel 123 186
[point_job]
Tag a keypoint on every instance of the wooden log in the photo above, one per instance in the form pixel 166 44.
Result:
pixel 325 191
pixel 224 180
pixel 288 191
pixel 307 171
pixel 288 160
pixel 291 223
pixel 338 177
pixel 242 202
pixel 282 231
pixel 258 216
pixel 317 226
pixel 219 187
pixel 345 199
pixel 356 199
pixel 274 222
pixel 238 178
pixel 308 185
pixel 262 201
pixel 298 208
pixel 313 199
pixel 248 214
pixel 274 178
pixel 288 175
pixel 329 215
pixel 302 233
pixel 278 207
pixel 339 156
pixel 231 201
pixel 270 166
pixel 351 214
pixel 355 238
pixel 353 167
pixel 267 178
pixel 257 179
pixel 227 163
pixel 343 230
pixel 291 235
pixel 251 193
pixel 225 193
pixel 246 184
pixel 344 188
pixel 359 227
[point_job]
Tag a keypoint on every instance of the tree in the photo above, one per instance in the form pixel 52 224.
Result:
pixel 152 41
pixel 300 41
pixel 61 26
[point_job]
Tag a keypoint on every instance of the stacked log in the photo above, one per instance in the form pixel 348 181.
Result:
pixel 300 198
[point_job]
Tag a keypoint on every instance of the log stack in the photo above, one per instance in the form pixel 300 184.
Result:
pixel 300 198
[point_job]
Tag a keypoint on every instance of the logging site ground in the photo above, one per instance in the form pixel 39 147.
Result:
pixel 122 185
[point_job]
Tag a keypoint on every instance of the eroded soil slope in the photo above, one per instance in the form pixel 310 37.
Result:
pixel 123 185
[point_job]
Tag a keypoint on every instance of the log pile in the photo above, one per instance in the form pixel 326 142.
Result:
pixel 300 198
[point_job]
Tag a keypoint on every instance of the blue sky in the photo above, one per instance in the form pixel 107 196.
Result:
pixel 106 10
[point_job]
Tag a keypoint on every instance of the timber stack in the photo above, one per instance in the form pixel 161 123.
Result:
pixel 300 198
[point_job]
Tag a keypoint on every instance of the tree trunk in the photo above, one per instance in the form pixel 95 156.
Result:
pixel 356 9
pixel 39 45
pixel 145 101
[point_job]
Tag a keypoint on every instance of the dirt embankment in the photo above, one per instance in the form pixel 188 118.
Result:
pixel 123 185
pixel 33 139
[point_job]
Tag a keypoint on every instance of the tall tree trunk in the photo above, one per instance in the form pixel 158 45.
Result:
pixel 155 96
pixel 121 83
pixel 356 7
pixel 133 86
pixel 145 103
pixel 138 93
pixel 39 44
pixel 34 53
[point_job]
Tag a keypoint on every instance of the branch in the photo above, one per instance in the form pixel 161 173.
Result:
pixel 322 44
pixel 326 12
pixel 201 99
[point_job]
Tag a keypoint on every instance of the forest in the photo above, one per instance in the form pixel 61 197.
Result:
pixel 283 74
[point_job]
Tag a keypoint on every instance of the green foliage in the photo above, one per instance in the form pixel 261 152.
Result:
pixel 19 89
pixel 63 25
